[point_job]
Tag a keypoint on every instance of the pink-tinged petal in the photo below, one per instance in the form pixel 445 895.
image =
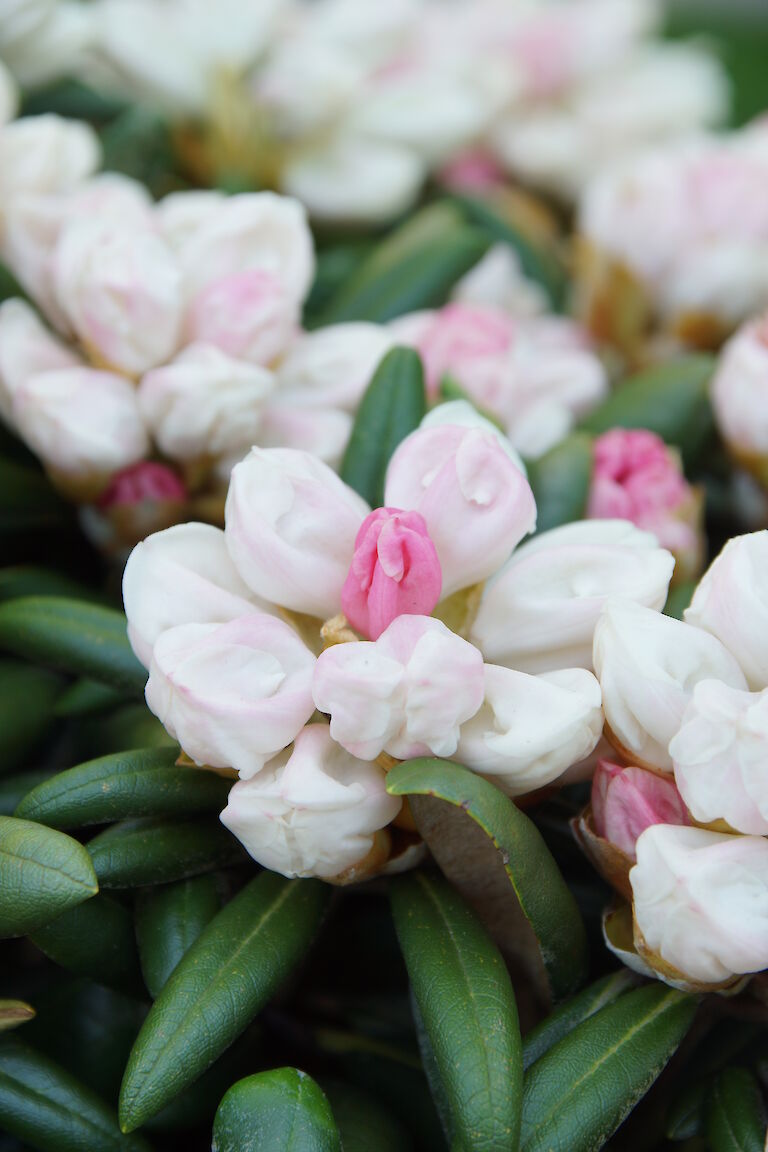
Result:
pixel 145 481
pixel 626 801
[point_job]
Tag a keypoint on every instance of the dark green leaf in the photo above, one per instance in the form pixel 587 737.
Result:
pixel 43 1105
pixel 27 580
pixel 13 789
pixel 87 698
pixel 28 502
pixel 393 405
pixel 42 874
pixel 169 920
pixel 72 636
pixel 466 1002
pixel 283 1110
pixel 247 951
pixel 685 1118
pixel 671 400
pixel 519 848
pixel 573 1012
pixel 13 1013
pixel 95 939
pixel 577 1094
pixel 680 596
pixel 27 698
pixel 363 1124
pixel 735 1115
pixel 560 481
pixel 127 727
pixel 143 782
pixel 139 852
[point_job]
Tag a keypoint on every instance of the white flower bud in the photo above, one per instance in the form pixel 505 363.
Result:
pixel 204 403
pixel 313 811
pixel 405 694
pixel 121 291
pixel 233 694
pixel 731 602
pixel 701 900
pixel 739 391
pixel 45 154
pixel 291 525
pixel 648 665
pixel 323 432
pixel 540 612
pixel 183 575
pixel 26 348
pixel 530 729
pixel 9 97
pixel 334 365
pixel 82 423
pixel 719 756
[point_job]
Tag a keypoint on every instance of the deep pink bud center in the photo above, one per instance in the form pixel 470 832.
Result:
pixel 145 481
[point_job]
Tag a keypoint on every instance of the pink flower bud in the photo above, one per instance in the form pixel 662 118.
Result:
pixel 458 336
pixel 145 481
pixel 626 801
pixel 394 571
pixel 476 503
pixel 248 315
pixel 474 170
pixel 636 477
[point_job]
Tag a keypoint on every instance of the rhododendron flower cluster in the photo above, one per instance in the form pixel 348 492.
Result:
pixel 680 828
pixel 424 627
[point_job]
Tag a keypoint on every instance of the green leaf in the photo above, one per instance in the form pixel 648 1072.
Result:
pixel 685 1118
pixel 73 636
pixel 169 920
pixel 14 788
pixel 95 939
pixel 560 481
pixel 363 1124
pixel 735 1115
pixel 143 782
pixel 41 1104
pixel 28 580
pixel 679 598
pixel 414 267
pixel 27 699
pixel 578 1093
pixel 87 698
pixel 42 874
pixel 13 1013
pixel 283 1110
pixel 28 503
pixel 465 999
pixel 574 1012
pixel 247 951
pixel 537 262
pixel 393 405
pixel 127 727
pixel 671 400
pixel 520 850
pixel 139 852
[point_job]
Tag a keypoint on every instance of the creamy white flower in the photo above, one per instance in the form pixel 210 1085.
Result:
pixel 42 42
pixel 334 365
pixel 406 694
pixel 313 811
pixel 82 423
pixel 232 694
pixel 26 348
pixel 287 423
pixel 183 575
pixel 648 666
pixel 701 900
pixel 45 154
pixel 739 390
pixel 530 729
pixel 291 525
pixel 720 755
pixel 305 83
pixel 498 281
pixel 181 215
pixel 356 181
pixel 731 602
pixel 204 403
pixel 540 612
pixel 465 415
pixel 121 291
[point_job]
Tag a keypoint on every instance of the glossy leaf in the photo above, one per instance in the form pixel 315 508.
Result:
pixel 364 1124
pixel 143 782
pixel 735 1114
pixel 42 874
pixel 520 850
pixel 30 580
pixel 87 698
pixel 283 1109
pixel 393 405
pixel 466 1002
pixel 14 1013
pixel 72 636
pixel 139 852
pixel 247 951
pixel 670 399
pixel 27 699
pixel 560 481
pixel 574 1012
pixel 169 920
pixel 41 1104
pixel 14 788
pixel 578 1093
pixel 95 939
